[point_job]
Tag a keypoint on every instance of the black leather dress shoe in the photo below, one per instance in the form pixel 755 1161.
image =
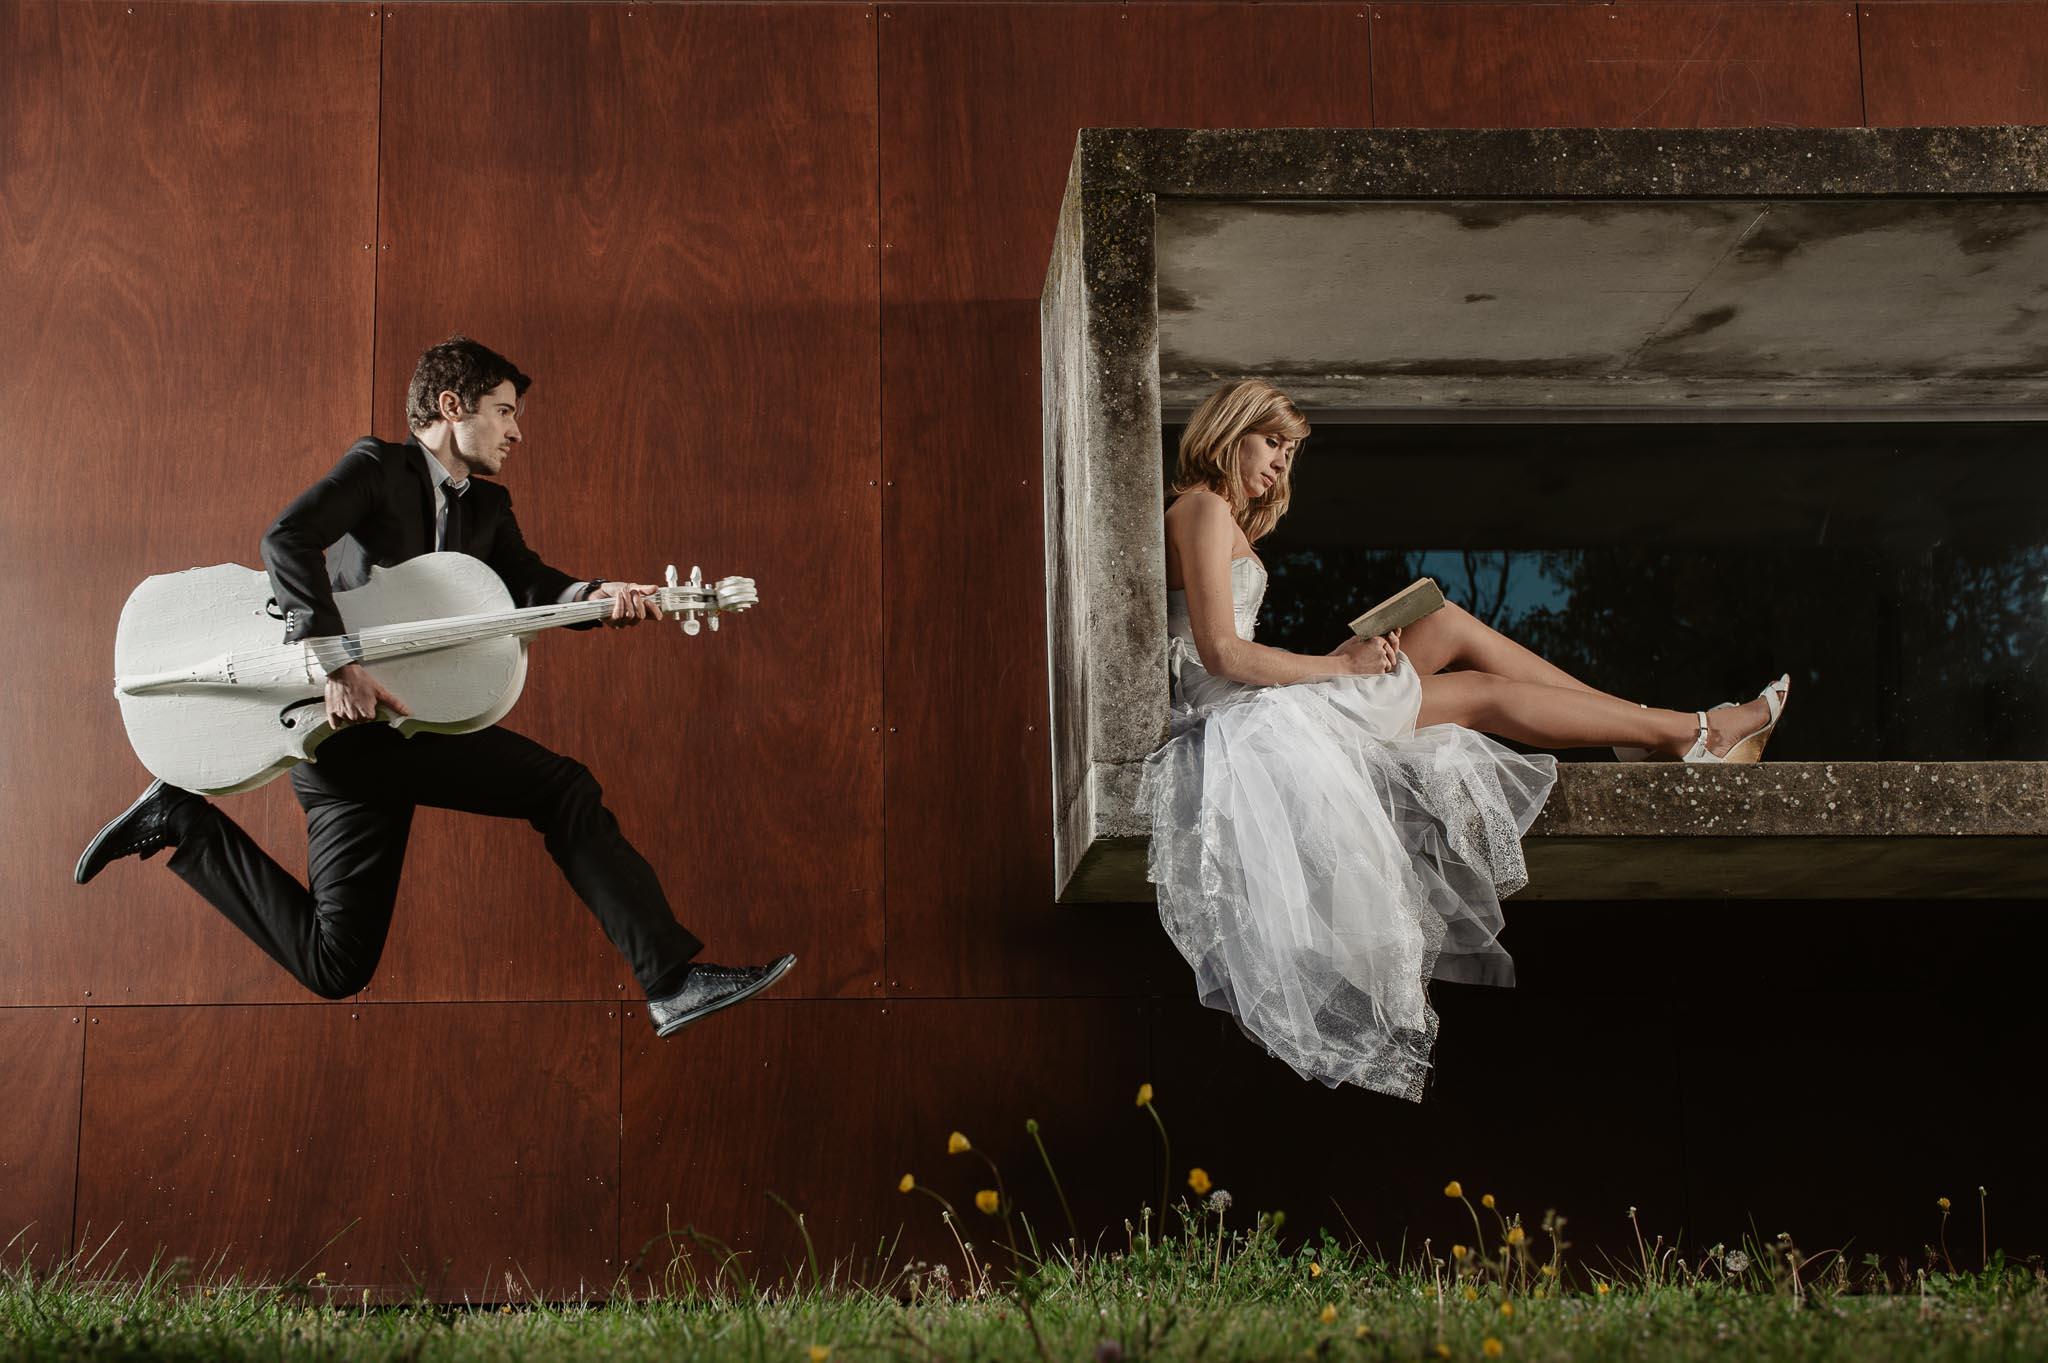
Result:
pixel 710 988
pixel 138 830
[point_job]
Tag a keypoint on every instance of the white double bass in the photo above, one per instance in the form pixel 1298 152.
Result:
pixel 214 703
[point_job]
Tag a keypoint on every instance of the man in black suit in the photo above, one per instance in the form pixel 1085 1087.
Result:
pixel 382 504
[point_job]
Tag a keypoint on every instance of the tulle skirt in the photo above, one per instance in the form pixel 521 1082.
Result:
pixel 1319 860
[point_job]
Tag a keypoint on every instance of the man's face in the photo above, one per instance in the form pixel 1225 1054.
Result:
pixel 486 436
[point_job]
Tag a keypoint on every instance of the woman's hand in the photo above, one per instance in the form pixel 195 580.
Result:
pixel 1370 657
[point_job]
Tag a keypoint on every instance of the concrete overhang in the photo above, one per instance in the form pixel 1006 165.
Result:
pixel 1775 308
pixel 1458 275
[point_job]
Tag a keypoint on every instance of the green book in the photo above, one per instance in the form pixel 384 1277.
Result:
pixel 1400 610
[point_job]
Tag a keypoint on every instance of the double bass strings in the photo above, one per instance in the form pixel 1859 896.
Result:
pixel 379 643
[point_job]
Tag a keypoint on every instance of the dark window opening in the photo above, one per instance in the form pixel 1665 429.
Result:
pixel 1899 571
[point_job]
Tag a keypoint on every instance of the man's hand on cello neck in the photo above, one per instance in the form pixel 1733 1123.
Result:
pixel 632 602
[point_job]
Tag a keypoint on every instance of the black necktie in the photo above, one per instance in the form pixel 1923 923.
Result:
pixel 451 521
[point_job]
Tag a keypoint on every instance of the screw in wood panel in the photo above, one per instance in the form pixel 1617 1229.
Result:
pixel 88 993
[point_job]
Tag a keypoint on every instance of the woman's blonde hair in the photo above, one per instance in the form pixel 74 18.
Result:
pixel 1208 450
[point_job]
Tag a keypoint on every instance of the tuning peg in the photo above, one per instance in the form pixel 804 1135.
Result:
pixel 691 624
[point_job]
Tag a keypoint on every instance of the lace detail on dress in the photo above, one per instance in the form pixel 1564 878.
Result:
pixel 1319 859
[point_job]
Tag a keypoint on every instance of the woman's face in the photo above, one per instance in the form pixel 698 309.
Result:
pixel 1262 461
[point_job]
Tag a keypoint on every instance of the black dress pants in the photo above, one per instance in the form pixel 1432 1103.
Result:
pixel 359 798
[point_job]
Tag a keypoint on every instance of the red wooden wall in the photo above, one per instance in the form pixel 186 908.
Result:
pixel 776 267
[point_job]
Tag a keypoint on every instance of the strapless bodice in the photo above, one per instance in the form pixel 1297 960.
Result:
pixel 1247 590
pixel 1194 689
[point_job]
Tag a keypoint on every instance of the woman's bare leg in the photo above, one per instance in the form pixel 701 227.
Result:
pixel 1453 637
pixel 1567 717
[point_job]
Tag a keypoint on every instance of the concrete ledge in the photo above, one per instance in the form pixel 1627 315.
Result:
pixel 1776 830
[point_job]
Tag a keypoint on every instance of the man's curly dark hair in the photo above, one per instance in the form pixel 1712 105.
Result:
pixel 466 368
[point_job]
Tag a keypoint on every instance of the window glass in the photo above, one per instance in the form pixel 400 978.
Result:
pixel 1899 571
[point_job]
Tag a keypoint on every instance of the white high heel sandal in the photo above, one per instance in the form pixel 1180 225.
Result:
pixel 1750 747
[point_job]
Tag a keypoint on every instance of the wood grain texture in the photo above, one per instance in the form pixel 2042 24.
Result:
pixel 1939 64
pixel 828 1104
pixel 454 1146
pixel 666 215
pixel 1672 65
pixel 40 1050
pixel 980 107
pixel 188 193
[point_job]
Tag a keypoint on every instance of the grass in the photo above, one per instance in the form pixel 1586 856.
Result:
pixel 1210 1292
pixel 1217 1286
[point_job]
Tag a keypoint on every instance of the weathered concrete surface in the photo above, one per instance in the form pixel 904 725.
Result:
pixel 1456 305
pixel 1104 551
pixel 1774 830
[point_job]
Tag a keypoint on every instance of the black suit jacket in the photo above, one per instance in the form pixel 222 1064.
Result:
pixel 374 510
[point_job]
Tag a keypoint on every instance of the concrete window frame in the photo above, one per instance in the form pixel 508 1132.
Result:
pixel 1782 830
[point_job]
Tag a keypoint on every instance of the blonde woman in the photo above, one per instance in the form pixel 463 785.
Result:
pixel 1332 831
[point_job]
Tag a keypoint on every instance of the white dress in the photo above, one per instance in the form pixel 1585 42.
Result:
pixel 1319 859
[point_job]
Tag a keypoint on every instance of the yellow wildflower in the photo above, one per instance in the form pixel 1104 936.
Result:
pixel 1443 1351
pixel 988 1201
pixel 905 1184
pixel 819 1352
pixel 1362 1332
pixel 1516 1235
pixel 1198 1179
pixel 1315 1270
pixel 1550 1270
pixel 1941 1203
pixel 1507 1308
pixel 1454 1189
pixel 1459 1251
pixel 1144 1095
pixel 957 1144
pixel 1492 1347
pixel 1329 1316
pixel 1600 1288
pixel 1471 1294
pixel 1486 1201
